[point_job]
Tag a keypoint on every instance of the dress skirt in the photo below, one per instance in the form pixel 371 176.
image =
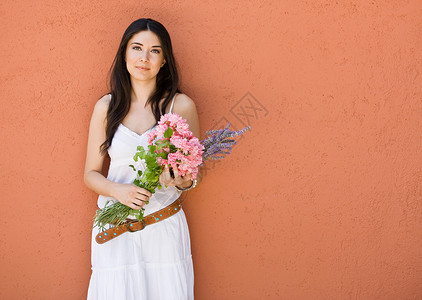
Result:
pixel 151 264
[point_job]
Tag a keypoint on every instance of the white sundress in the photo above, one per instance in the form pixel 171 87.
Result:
pixel 151 264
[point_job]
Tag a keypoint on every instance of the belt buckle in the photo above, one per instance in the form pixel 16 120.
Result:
pixel 130 225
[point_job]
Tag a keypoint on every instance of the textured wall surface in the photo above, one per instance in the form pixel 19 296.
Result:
pixel 321 200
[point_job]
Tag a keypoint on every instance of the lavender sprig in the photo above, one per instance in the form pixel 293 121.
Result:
pixel 220 142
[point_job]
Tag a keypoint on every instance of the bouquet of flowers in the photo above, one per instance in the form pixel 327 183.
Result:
pixel 171 143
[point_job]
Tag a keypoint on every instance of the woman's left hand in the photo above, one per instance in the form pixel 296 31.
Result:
pixel 180 181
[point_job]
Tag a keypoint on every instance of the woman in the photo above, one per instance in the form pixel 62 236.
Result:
pixel 153 263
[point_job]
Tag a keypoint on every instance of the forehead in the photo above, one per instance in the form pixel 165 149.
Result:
pixel 146 38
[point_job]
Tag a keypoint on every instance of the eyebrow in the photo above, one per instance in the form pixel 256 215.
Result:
pixel 136 43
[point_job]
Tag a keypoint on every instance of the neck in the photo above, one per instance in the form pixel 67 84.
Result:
pixel 142 90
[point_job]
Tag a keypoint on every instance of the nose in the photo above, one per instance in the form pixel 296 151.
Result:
pixel 143 56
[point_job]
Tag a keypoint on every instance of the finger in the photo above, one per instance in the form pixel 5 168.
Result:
pixel 144 192
pixel 176 173
pixel 188 176
pixel 166 174
pixel 136 205
pixel 163 180
pixel 140 197
pixel 183 179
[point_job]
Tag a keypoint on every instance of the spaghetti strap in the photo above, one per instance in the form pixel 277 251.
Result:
pixel 172 102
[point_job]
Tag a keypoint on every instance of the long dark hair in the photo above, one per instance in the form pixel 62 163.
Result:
pixel 120 86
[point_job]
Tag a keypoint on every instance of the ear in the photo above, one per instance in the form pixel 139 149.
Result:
pixel 164 62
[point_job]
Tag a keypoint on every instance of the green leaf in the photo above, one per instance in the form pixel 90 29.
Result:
pixel 133 168
pixel 168 133
pixel 161 144
pixel 149 160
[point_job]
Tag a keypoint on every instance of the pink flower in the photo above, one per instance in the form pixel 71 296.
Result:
pixel 188 154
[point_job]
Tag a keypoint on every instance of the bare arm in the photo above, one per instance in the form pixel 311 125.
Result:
pixel 127 194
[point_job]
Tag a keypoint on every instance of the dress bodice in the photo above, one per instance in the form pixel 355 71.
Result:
pixel 123 148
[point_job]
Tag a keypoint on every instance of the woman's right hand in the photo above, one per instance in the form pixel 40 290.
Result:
pixel 130 195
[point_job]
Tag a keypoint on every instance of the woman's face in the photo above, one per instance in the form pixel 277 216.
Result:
pixel 144 56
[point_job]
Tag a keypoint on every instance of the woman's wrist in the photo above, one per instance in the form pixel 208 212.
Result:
pixel 188 187
pixel 186 184
pixel 112 188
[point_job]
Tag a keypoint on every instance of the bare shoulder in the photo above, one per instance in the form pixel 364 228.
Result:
pixel 103 103
pixel 101 107
pixel 183 102
pixel 185 107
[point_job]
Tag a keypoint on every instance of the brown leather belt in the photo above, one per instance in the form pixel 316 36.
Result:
pixel 135 225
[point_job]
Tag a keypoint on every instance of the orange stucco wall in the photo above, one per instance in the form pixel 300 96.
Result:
pixel 321 200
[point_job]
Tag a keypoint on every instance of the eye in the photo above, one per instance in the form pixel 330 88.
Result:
pixel 157 51
pixel 136 48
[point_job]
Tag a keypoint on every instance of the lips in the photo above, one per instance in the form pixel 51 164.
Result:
pixel 142 68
